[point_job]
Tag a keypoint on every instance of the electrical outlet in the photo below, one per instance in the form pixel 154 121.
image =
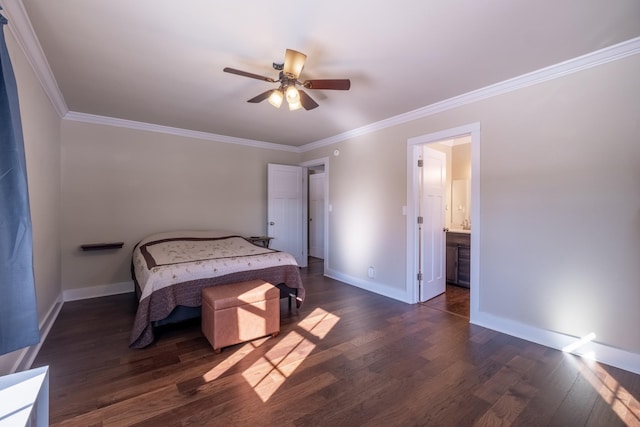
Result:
pixel 371 272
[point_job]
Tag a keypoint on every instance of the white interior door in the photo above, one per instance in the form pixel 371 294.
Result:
pixel 432 210
pixel 316 215
pixel 285 210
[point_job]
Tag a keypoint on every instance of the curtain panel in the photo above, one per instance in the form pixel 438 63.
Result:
pixel 18 308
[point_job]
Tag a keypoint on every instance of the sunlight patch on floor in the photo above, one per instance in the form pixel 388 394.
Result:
pixel 621 402
pixel 232 359
pixel 319 322
pixel 270 371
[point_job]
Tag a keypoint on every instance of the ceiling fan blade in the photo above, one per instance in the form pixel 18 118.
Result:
pixel 246 74
pixel 261 97
pixel 307 102
pixel 334 84
pixel 293 63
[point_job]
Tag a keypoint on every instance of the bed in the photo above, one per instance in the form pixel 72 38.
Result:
pixel 170 269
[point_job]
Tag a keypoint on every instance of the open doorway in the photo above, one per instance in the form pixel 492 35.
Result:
pixel 457 225
pixel 426 254
pixel 317 173
pixel 316 211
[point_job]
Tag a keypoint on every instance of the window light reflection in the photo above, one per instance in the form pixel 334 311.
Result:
pixel 579 343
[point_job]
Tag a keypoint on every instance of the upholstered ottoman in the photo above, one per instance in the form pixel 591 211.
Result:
pixel 240 312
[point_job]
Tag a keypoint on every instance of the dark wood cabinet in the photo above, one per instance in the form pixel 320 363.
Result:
pixel 459 258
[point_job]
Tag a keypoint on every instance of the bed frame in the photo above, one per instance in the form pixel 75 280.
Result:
pixel 176 296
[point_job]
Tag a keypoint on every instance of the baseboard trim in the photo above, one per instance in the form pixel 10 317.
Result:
pixel 375 287
pixel 602 353
pixel 591 349
pixel 28 355
pixel 98 291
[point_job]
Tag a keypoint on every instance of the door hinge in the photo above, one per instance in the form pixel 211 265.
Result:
pixel 420 163
pixel 420 220
pixel 420 277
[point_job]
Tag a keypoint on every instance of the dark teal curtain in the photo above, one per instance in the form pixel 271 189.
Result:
pixel 18 309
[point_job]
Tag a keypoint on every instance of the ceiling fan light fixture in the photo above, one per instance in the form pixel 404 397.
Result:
pixel 293 63
pixel 293 106
pixel 292 94
pixel 276 98
pixel 293 98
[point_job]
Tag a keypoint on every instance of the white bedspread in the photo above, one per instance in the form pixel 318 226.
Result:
pixel 164 259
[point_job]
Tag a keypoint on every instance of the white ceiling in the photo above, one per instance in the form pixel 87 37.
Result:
pixel 160 62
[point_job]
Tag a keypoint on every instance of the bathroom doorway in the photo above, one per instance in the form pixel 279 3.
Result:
pixel 464 139
pixel 458 230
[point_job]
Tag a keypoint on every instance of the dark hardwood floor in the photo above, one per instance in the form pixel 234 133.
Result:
pixel 455 300
pixel 348 357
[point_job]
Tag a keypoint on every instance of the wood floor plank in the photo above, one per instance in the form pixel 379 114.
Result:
pixel 509 406
pixel 346 357
pixel 577 405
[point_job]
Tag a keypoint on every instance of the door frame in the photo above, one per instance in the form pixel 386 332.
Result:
pixel 323 161
pixel 413 145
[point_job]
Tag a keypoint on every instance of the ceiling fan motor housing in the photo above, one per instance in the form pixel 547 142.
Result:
pixel 286 80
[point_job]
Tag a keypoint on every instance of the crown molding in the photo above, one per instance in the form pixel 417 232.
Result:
pixel 150 127
pixel 20 27
pixel 593 59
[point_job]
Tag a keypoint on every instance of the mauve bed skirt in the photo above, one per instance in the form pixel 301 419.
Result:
pixel 183 301
pixel 182 312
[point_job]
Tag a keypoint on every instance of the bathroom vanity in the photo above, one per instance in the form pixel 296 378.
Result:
pixel 459 257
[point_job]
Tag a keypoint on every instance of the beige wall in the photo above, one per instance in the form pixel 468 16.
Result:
pixel 560 203
pixel 366 224
pixel 41 130
pixel 461 161
pixel 121 184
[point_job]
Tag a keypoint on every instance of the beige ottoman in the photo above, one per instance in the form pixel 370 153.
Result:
pixel 240 312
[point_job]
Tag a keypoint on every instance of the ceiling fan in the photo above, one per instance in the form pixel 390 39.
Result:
pixel 288 78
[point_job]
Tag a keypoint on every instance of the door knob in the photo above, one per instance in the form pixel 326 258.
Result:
pixel 272 223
